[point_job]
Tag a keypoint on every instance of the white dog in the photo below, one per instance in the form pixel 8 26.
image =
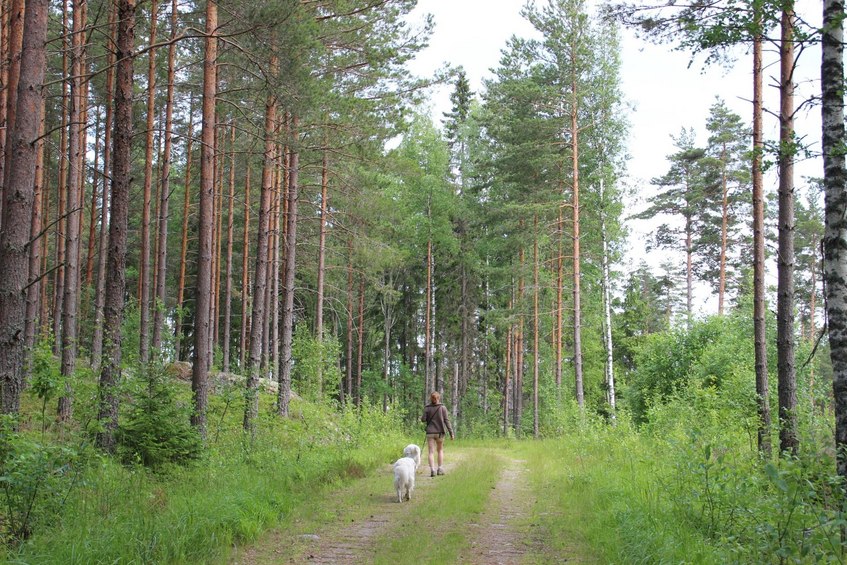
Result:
pixel 414 452
pixel 404 472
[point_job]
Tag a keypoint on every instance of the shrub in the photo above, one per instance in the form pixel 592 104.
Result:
pixel 157 429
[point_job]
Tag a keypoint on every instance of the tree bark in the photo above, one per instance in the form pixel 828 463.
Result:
pixel 835 237
pixel 577 276
pixel 74 205
pixel 245 262
pixel 360 330
pixel 228 274
pixel 607 311
pixel 15 237
pixel 100 293
pixel 119 209
pixel 93 217
pixel 319 306
pixel 724 230
pixel 62 190
pixel 260 279
pixel 535 331
pixel 349 372
pixel 165 190
pixel 34 284
pixel 290 270
pixel 787 377
pixel 144 267
pixel 203 288
pixel 186 208
pixel 760 344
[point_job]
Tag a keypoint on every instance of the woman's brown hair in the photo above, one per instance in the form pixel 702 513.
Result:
pixel 435 397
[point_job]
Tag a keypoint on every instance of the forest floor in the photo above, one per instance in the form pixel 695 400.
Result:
pixel 362 522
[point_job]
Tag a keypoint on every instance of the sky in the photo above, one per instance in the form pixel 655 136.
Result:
pixel 664 90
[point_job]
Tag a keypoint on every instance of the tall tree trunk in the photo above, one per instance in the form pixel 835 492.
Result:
pixel 92 219
pixel 43 302
pixel 535 330
pixel 290 270
pixel 34 283
pixel 144 267
pixel 607 310
pixel 506 383
pixel 760 343
pixel 319 306
pixel 577 276
pixel 360 337
pixel 119 209
pixel 62 188
pixel 15 237
pixel 349 372
pixel 165 189
pixel 12 71
pixel 260 279
pixel 202 329
pixel 100 293
pixel 228 276
pixel 186 207
pixel 689 269
pixel 787 377
pixel 560 282
pixel 835 189
pixel 724 230
pixel 74 205
pixel 245 262
pixel 429 384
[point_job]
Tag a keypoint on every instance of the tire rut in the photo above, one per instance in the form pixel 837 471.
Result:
pixel 498 537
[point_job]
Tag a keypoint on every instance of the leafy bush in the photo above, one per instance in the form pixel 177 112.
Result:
pixel 35 479
pixel 157 429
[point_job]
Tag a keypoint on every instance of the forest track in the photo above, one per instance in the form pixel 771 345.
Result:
pixel 499 537
pixel 345 535
pixel 350 525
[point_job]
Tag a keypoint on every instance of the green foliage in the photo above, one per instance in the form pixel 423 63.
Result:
pixel 714 354
pixel 36 479
pixel 316 373
pixel 46 380
pixel 699 498
pixel 156 430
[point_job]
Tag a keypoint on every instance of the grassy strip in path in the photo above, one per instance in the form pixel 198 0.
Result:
pixel 435 530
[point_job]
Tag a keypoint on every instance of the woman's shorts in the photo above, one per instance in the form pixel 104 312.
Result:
pixel 435 436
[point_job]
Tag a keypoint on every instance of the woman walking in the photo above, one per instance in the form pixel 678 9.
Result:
pixel 437 426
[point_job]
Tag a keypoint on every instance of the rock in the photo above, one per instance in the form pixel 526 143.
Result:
pixel 179 370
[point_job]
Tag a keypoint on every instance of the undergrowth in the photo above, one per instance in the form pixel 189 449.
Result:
pixel 636 498
pixel 193 513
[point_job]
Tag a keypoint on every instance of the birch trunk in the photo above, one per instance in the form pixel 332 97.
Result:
pixel 835 237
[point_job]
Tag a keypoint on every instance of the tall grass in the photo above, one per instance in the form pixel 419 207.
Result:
pixel 636 498
pixel 194 514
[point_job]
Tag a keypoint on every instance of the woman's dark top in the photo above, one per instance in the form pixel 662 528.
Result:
pixel 437 421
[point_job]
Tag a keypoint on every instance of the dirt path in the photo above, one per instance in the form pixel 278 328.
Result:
pixel 342 534
pixel 500 536
pixel 350 525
